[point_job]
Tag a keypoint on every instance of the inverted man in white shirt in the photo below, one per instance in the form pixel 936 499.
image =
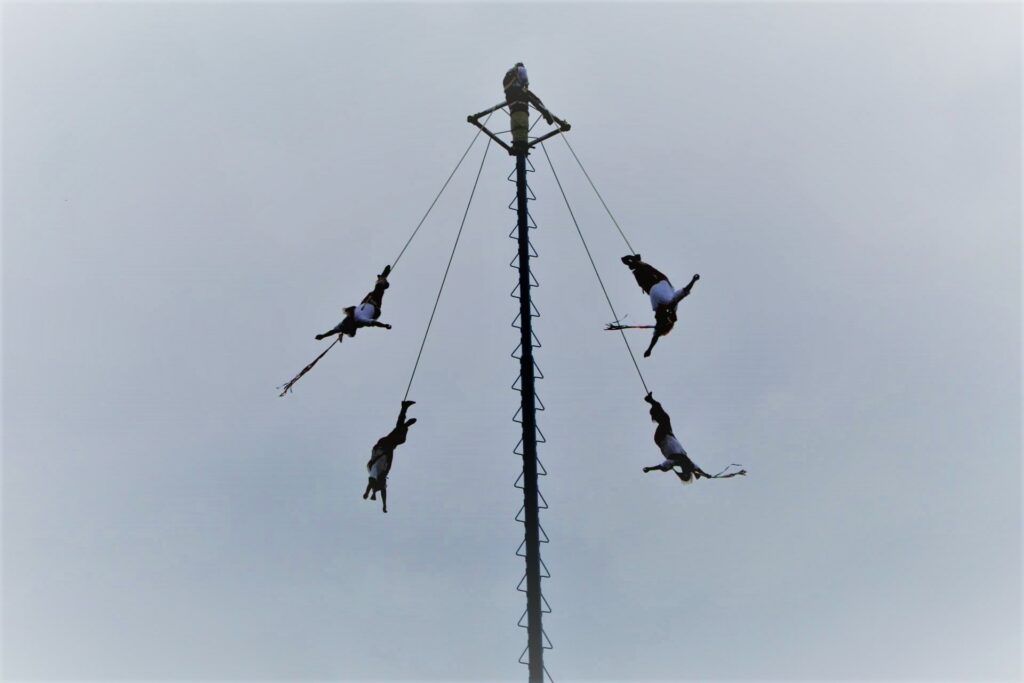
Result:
pixel 676 460
pixel 365 314
pixel 382 455
pixel 664 298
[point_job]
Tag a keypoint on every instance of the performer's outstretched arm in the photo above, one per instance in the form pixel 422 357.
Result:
pixel 654 340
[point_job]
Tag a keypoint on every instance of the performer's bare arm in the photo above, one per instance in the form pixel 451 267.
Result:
pixel 654 340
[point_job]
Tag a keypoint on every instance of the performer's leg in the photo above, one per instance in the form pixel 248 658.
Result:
pixel 685 291
pixel 335 330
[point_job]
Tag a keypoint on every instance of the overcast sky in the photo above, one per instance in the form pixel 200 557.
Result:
pixel 192 191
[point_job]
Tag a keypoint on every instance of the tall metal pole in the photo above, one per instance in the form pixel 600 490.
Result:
pixel 534 631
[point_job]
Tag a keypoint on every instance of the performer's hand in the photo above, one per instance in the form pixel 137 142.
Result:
pixel 696 276
pixel 647 353
pixel 387 326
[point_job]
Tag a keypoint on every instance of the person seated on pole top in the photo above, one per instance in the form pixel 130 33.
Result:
pixel 382 455
pixel 676 459
pixel 664 298
pixel 365 314
pixel 518 96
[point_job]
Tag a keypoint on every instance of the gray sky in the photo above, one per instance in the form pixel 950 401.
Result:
pixel 191 191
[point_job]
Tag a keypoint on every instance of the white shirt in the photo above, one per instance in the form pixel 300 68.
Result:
pixel 377 469
pixel 662 294
pixel 365 313
pixel 670 447
pixel 524 80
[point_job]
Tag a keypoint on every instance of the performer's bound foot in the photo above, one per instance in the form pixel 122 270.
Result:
pixel 406 404
pixel 630 258
pixel 385 272
pixel 319 337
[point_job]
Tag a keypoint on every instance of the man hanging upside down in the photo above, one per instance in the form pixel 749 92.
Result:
pixel 664 298
pixel 675 454
pixel 365 314
pixel 379 465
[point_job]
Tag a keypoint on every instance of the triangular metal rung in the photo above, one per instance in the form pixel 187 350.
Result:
pixel 547 572
pixel 540 403
pixel 514 263
pixel 541 471
pixel 530 224
pixel 520 586
pixel 536 341
pixel 521 624
pixel 529 169
pixel 539 374
pixel 545 608
pixel 523 655
pixel 515 290
pixel 521 509
pixel 530 197
pixel 547 640
pixel 540 436
pixel 519 412
pixel 519 479
pixel 516 386
pixel 519 552
pixel 534 313
pixel 543 504
pixel 550 679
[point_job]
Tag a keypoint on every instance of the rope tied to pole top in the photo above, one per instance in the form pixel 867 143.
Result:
pixel 287 386
pixel 438 196
pixel 607 210
pixel 593 265
pixel 444 279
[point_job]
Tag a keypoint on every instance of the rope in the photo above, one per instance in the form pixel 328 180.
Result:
pixel 722 475
pixel 594 266
pixel 447 268
pixel 440 192
pixel 287 386
pixel 580 163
